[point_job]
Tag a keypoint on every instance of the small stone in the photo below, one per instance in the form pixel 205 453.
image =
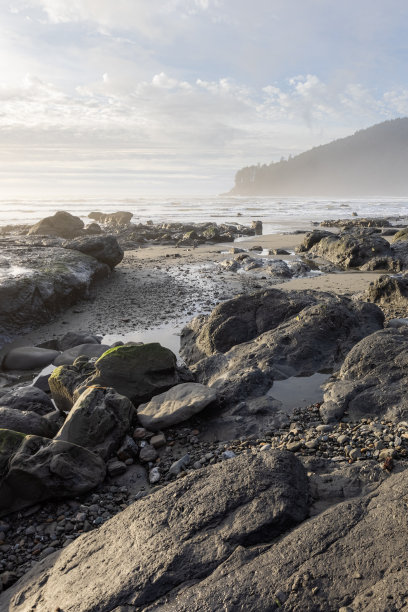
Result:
pixel 387 452
pixel 197 465
pixel 228 454
pixel 312 444
pixel 179 465
pixel 355 453
pixel 293 446
pixel 115 468
pixel 154 475
pixel 148 453
pixel 342 439
pixel 129 461
pixel 281 597
pixel 47 551
pixel 139 433
pixel 265 447
pixel 357 575
pixel 324 428
pixel 158 440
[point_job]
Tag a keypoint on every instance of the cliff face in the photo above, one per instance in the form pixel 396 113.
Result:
pixel 373 161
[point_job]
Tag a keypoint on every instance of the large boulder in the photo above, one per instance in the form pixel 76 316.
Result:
pixel 312 238
pixel 136 371
pixel 61 224
pixel 28 358
pixel 349 558
pixel 388 291
pixel 155 545
pixel 26 422
pixel 354 249
pixel 27 398
pixel 72 339
pixel 316 339
pixel 175 405
pixel 38 469
pixel 373 379
pixel 98 421
pixel 105 249
pixel 51 280
pixel 243 318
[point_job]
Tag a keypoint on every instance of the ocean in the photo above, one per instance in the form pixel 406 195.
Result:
pixel 277 214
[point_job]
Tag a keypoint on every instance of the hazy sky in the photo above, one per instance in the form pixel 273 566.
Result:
pixel 132 97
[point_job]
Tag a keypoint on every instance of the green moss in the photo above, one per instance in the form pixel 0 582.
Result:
pixel 55 374
pixel 128 352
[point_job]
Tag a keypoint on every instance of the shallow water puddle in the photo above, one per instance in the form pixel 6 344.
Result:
pixel 299 391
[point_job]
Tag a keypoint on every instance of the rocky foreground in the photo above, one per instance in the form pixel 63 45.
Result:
pixel 161 485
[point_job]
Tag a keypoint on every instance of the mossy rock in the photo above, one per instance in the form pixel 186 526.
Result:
pixel 211 233
pixel 10 441
pixel 137 371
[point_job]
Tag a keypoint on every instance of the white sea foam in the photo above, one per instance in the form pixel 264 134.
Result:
pixel 277 214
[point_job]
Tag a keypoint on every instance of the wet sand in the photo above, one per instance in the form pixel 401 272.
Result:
pixel 157 289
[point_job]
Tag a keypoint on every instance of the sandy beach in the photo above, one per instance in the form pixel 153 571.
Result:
pixel 156 290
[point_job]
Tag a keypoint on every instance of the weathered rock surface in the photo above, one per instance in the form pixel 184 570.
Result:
pixel 98 421
pixel 312 238
pixel 27 398
pixel 372 380
pixel 47 280
pixel 214 511
pixel 243 318
pixel 388 290
pixel 103 248
pixel 26 422
pixel 37 469
pixel 61 224
pixel 316 337
pixel 28 358
pixel 72 339
pixel 354 249
pixel 363 539
pixel 88 350
pixel 136 371
pixel 66 379
pixel 175 405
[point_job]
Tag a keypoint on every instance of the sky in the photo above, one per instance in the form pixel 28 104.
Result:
pixel 126 98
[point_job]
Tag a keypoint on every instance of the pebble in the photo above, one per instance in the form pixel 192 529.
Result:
pixel 228 454
pixel 148 453
pixel 154 475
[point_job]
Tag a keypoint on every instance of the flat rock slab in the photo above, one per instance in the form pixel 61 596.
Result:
pixel 351 557
pixel 180 533
pixel 175 405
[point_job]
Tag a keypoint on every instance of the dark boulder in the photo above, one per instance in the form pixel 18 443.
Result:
pixel 38 469
pixel 213 511
pixel 61 224
pixel 373 379
pixel 28 399
pixel 26 422
pixel 317 338
pixel 388 291
pixel 311 239
pixel 98 421
pixel 104 248
pixel 66 379
pixel 136 371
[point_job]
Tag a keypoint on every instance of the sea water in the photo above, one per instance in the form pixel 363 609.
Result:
pixel 277 214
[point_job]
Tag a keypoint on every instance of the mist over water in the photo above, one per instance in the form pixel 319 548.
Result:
pixel 277 214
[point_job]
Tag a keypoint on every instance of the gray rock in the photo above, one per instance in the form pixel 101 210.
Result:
pixel 180 465
pixel 39 469
pixel 104 248
pixel 27 398
pixel 88 350
pixel 213 512
pixel 357 248
pixel 116 468
pixel 248 316
pixel 98 421
pixel 372 380
pixel 312 238
pixel 175 406
pixel 72 339
pixel 61 224
pixel 136 371
pixel 51 280
pixel 28 358
pixel 388 290
pixel 26 422
pixel 317 338
pixel 310 564
pixel 148 453
pixel 66 380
